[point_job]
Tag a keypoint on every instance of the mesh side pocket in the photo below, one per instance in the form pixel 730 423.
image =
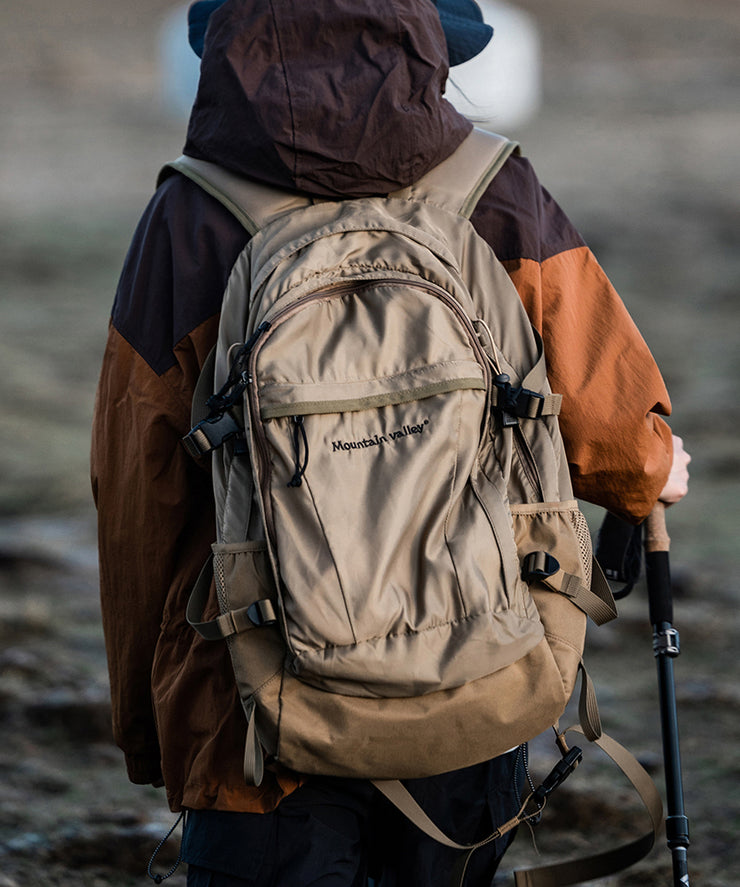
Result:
pixel 558 528
pixel 243 577
pixel 584 541
pixel 219 574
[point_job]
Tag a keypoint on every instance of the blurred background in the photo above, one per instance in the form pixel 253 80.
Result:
pixel 630 112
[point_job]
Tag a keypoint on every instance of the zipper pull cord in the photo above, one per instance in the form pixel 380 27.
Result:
pixel 237 380
pixel 299 432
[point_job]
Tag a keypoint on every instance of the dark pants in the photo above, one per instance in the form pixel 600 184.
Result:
pixel 339 832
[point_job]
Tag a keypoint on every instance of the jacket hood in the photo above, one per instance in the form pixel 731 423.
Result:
pixel 332 97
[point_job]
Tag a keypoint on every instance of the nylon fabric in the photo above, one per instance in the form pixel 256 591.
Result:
pixel 427 625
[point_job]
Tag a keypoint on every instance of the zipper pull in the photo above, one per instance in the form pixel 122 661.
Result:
pixel 237 380
pixel 299 432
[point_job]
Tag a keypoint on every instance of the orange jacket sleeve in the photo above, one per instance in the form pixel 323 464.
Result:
pixel 619 448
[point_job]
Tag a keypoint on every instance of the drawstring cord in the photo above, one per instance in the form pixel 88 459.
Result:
pixel 299 432
pixel 157 878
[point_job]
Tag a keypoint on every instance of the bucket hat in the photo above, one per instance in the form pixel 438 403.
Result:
pixel 465 31
pixel 462 21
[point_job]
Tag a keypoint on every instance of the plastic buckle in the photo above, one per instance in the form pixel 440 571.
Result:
pixel 516 402
pixel 261 613
pixel 209 434
pixel 539 565
pixel 196 442
pixel 559 773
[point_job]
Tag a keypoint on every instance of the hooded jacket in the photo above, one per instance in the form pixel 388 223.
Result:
pixel 336 98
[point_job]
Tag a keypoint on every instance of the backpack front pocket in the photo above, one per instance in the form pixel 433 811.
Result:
pixel 391 577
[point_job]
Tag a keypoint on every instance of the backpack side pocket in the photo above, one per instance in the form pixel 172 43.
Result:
pixel 249 623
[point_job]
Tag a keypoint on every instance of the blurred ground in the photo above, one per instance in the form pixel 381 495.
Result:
pixel 639 140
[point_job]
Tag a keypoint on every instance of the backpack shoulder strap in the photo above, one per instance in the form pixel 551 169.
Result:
pixel 252 203
pixel 456 184
pixel 459 182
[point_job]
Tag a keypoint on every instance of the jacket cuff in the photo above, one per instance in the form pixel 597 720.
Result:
pixel 144 769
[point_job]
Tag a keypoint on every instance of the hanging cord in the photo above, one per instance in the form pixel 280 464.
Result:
pixel 460 868
pixel 489 346
pixel 157 878
pixel 299 433
pixel 523 758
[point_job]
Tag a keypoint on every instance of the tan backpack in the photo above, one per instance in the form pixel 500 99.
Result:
pixel 403 573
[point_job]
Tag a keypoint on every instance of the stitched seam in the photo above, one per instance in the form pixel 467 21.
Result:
pixel 287 89
pixel 556 637
pixel 415 371
pixel 437 625
pixel 449 503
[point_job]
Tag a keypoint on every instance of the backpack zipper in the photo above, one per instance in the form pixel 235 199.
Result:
pixel 258 340
pixel 526 460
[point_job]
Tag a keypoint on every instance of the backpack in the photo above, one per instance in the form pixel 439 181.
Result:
pixel 402 571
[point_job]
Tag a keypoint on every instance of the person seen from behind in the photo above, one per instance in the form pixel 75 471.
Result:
pixel 336 99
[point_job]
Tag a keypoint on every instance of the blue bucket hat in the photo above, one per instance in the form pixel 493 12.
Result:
pixel 462 21
pixel 198 16
pixel 466 32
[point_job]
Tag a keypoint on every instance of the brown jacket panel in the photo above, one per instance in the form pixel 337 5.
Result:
pixel 176 714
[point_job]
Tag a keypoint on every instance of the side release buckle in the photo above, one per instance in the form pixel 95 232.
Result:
pixel 559 773
pixel 209 434
pixel 517 402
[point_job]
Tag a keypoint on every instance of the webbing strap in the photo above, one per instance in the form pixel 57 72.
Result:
pixel 588 707
pixel 252 203
pixel 459 182
pixel 228 624
pixel 596 601
pixel 203 390
pixel 254 755
pixel 402 799
pixel 606 863
pixel 399 796
pixel 551 404
pixel 560 874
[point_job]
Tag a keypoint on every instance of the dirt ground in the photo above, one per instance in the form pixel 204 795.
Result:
pixel 639 140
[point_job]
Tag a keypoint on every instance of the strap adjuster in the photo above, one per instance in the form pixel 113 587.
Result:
pixel 539 565
pixel 209 434
pixel 559 773
pixel 517 401
pixel 261 613
pixel 667 643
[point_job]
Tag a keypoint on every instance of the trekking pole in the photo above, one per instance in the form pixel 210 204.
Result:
pixel 666 648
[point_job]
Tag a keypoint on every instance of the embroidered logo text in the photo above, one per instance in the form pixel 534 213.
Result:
pixel 378 440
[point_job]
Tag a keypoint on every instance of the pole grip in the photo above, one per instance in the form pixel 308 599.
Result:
pixel 656 533
pixel 657 569
pixel 660 597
